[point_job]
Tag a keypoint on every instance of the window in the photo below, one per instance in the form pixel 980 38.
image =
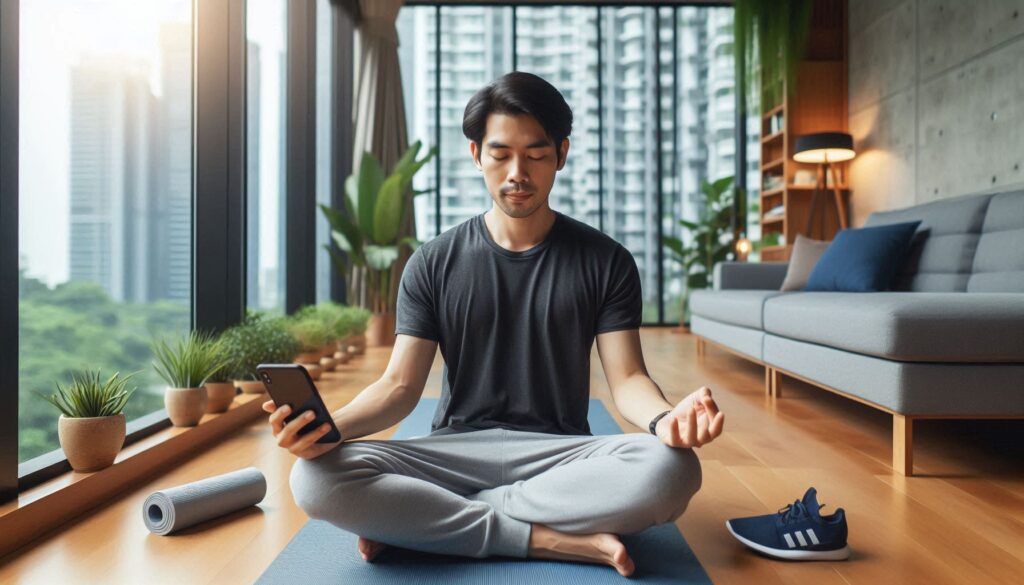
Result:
pixel 266 26
pixel 324 137
pixel 416 56
pixel 105 197
pixel 641 80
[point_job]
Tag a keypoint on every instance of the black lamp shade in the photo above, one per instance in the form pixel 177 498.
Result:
pixel 824 147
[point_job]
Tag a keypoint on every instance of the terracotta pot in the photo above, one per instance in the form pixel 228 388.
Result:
pixel 308 357
pixel 250 386
pixel 185 406
pixel 219 396
pixel 342 356
pixel 328 349
pixel 328 363
pixel 356 344
pixel 380 331
pixel 314 370
pixel 91 443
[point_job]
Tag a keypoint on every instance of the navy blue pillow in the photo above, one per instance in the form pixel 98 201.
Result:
pixel 863 260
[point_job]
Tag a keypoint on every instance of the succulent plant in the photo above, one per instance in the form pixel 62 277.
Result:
pixel 87 396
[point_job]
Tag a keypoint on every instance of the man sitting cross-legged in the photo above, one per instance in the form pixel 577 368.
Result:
pixel 515 298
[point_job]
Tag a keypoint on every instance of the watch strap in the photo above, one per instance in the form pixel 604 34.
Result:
pixel 654 421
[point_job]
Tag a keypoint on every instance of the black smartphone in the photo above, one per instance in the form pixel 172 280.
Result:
pixel 290 384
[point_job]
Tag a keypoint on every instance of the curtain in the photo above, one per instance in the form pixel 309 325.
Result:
pixel 379 124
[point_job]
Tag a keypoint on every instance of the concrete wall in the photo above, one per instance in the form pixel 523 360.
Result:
pixel 936 100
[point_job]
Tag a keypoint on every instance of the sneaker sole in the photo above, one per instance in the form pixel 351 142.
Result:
pixel 839 554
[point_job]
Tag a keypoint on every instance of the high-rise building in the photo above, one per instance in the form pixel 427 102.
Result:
pixel 111 175
pixel 173 272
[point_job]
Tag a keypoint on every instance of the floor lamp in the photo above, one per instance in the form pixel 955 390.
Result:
pixel 823 149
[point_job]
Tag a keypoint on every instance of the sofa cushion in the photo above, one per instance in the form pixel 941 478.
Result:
pixel 927 327
pixel 941 256
pixel 743 340
pixel 737 307
pixel 863 260
pixel 999 261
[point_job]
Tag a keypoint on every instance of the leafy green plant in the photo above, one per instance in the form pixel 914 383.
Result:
pixel 710 238
pixel 87 396
pixel 336 317
pixel 367 229
pixel 259 339
pixel 191 361
pixel 769 38
pixel 311 331
pixel 360 319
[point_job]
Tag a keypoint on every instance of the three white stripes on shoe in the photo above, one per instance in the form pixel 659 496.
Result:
pixel 800 537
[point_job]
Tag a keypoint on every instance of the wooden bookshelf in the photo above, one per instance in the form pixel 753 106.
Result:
pixel 818 103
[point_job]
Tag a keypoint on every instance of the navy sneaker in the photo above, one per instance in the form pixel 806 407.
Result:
pixel 797 532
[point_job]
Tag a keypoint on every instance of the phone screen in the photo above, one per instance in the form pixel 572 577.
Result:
pixel 290 384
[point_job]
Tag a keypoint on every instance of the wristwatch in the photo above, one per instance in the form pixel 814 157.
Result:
pixel 654 421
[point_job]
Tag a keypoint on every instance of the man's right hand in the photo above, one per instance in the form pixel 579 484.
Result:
pixel 305 446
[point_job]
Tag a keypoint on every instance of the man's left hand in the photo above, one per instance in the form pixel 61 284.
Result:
pixel 695 421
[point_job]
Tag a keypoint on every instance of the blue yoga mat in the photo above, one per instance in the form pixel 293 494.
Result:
pixel 323 553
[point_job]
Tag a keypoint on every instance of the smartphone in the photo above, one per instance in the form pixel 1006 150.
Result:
pixel 290 384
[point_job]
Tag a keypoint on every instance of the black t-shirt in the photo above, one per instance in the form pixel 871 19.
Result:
pixel 516 328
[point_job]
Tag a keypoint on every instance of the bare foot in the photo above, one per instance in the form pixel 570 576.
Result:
pixel 370 548
pixel 602 548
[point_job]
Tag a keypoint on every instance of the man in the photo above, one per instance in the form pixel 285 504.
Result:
pixel 515 298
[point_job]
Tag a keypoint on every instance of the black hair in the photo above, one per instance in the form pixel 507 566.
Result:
pixel 516 93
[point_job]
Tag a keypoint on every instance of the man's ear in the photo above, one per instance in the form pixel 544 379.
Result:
pixel 563 151
pixel 474 151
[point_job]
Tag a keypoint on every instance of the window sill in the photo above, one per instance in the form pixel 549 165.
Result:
pixel 42 508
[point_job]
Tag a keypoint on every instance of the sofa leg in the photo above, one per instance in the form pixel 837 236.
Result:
pixel 903 444
pixel 701 348
pixel 768 380
pixel 775 383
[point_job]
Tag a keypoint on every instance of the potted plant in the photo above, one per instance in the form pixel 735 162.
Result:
pixel 367 231
pixel 710 239
pixel 312 334
pixel 258 339
pixel 220 390
pixel 91 427
pixel 356 341
pixel 332 316
pixel 185 367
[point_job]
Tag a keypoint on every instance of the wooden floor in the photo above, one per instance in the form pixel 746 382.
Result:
pixel 960 521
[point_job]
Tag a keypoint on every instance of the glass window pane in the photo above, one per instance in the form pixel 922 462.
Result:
pixel 630 141
pixel 266 28
pixel 416 55
pixel 560 45
pixel 324 156
pixel 476 48
pixel 705 118
pixel 105 204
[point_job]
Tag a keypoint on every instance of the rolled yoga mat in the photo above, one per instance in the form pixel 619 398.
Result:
pixel 324 553
pixel 177 508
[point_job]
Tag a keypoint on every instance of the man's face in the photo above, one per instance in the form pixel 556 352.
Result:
pixel 518 161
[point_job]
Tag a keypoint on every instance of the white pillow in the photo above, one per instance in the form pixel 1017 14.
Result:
pixel 805 255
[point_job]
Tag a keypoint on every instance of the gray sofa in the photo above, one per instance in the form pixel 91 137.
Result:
pixel 948 342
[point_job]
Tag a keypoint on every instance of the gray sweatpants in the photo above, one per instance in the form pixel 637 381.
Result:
pixel 476 493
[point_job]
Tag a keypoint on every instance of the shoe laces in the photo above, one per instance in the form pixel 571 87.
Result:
pixel 796 511
pixel 793 512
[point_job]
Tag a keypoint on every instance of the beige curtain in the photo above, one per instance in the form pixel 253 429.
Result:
pixel 379 108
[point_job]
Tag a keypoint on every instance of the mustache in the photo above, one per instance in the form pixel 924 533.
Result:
pixel 520 189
